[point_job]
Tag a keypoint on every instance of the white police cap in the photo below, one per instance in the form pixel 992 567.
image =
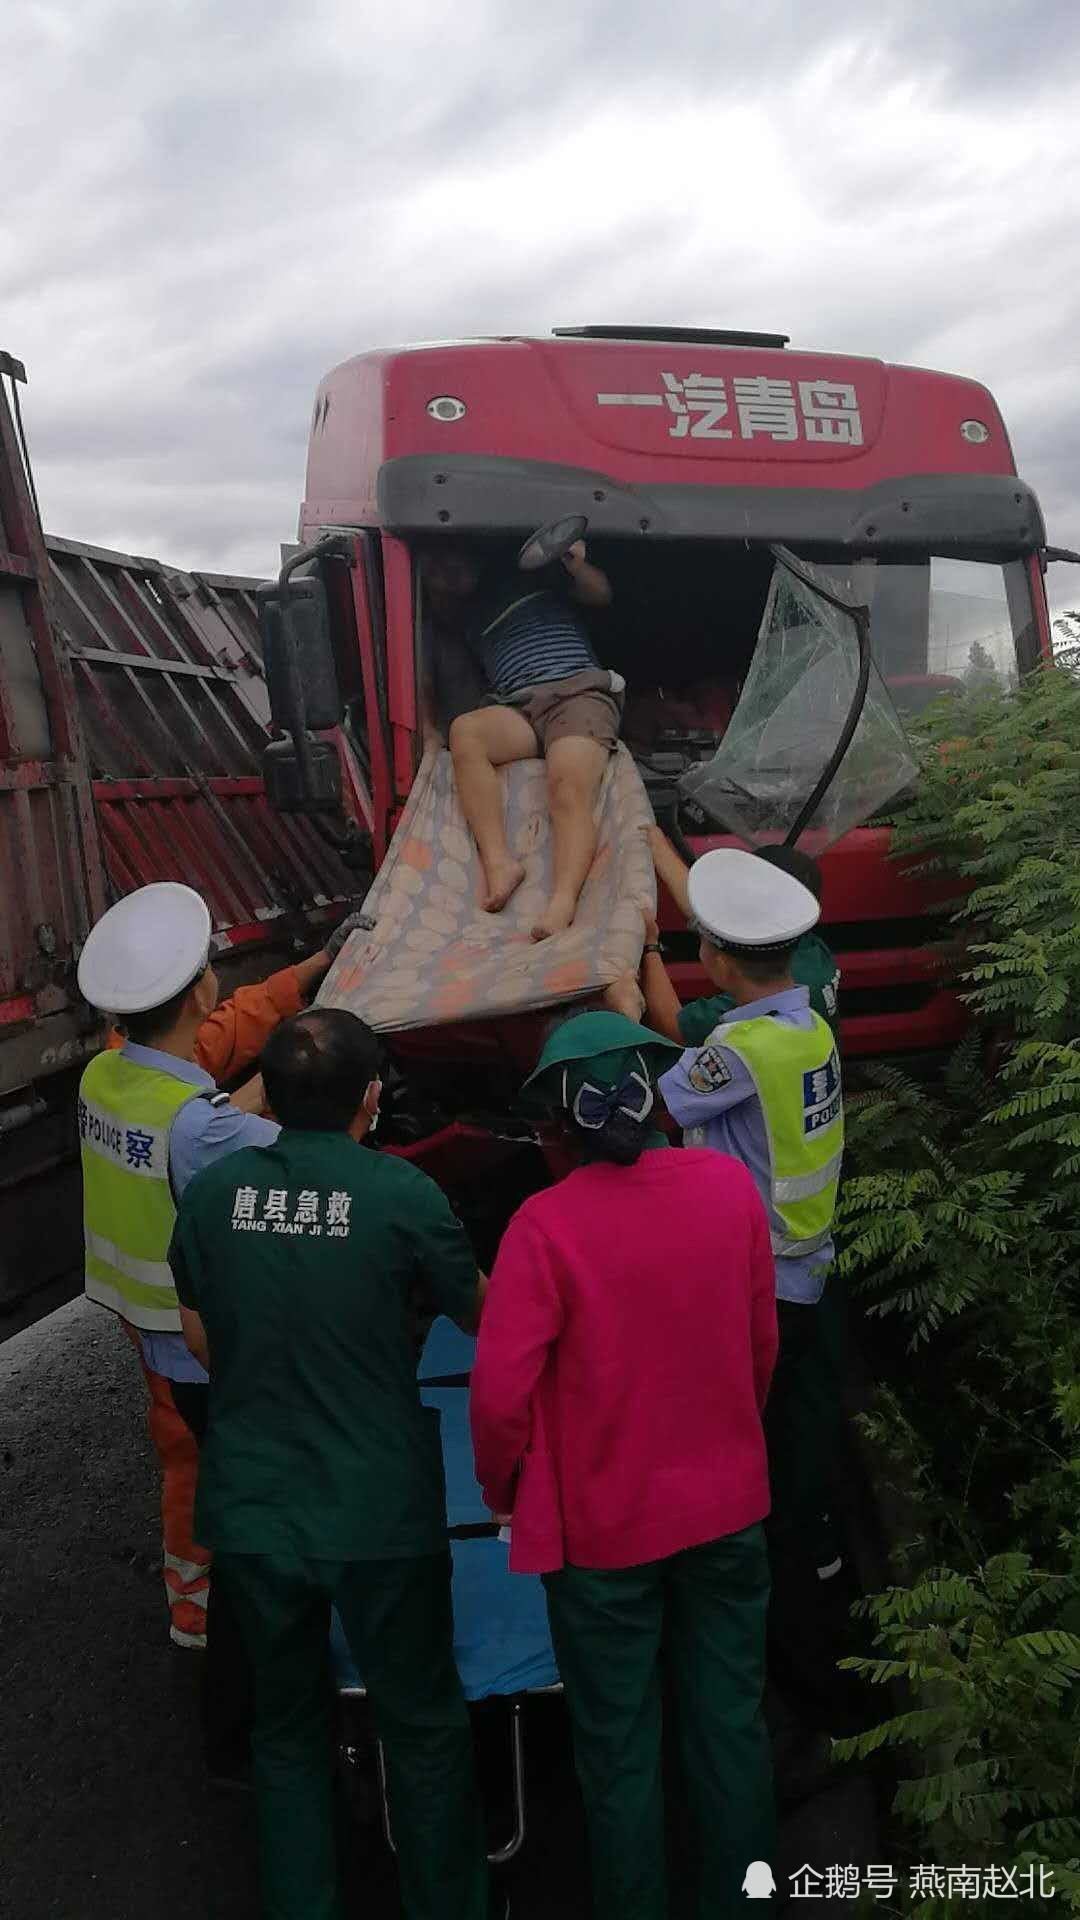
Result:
pixel 741 901
pixel 148 948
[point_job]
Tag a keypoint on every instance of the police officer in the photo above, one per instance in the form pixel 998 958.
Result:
pixel 765 1088
pixel 813 964
pixel 321 1478
pixel 149 1118
pixel 150 942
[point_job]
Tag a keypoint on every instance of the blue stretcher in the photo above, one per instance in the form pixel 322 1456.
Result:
pixel 502 1644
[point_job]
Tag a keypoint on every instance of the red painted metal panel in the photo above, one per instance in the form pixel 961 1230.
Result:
pixel 1039 602
pixel 170 686
pixel 158 667
pixel 121 863
pixel 367 640
pixel 285 856
pixel 610 408
pixel 167 831
pixel 51 880
pixel 358 798
pixel 459 1154
pixel 401 662
pixel 244 936
pixel 14 1012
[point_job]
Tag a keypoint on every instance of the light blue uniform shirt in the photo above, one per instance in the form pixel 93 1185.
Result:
pixel 200 1135
pixel 731 1115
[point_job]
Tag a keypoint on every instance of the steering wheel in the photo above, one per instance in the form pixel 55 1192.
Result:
pixel 551 542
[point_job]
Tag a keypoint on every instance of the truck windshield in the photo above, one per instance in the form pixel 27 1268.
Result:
pixel 686 627
pixel 941 623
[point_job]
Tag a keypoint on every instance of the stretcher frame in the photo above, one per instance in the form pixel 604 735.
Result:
pixel 456 1376
pixel 501 1856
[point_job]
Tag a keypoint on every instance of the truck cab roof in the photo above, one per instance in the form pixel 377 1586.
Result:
pixel 675 432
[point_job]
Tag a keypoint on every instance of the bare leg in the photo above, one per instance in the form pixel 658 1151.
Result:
pixel 575 769
pixel 480 742
pixel 625 996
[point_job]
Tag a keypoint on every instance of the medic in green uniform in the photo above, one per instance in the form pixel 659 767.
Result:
pixel 321 1482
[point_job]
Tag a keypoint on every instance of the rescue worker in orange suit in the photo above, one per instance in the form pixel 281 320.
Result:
pixel 227 1042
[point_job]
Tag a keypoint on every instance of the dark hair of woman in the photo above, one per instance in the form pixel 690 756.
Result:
pixel 621 1140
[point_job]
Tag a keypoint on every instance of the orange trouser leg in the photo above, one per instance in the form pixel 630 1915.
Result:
pixel 186 1565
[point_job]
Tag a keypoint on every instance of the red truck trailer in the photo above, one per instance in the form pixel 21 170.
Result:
pixel 692 453
pixel 133 714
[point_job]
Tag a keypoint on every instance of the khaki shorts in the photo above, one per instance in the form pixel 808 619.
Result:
pixel 587 706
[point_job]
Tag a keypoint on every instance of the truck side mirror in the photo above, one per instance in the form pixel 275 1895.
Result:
pixel 302 774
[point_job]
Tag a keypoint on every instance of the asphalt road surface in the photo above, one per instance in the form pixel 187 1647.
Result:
pixel 103 1811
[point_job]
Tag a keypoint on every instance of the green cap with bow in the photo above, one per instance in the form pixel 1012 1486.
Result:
pixel 599 1063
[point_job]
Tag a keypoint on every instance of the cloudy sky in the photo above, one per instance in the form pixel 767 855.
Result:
pixel 210 202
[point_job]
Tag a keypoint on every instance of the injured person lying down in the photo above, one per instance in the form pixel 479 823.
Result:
pixel 549 696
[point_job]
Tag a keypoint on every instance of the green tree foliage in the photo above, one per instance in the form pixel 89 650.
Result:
pixel 982 675
pixel 1066 638
pixel 960 1228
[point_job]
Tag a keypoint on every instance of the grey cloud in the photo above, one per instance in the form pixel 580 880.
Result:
pixel 997 45
pixel 988 45
pixel 215 206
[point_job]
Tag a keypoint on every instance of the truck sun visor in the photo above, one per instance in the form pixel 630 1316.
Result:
pixel 790 717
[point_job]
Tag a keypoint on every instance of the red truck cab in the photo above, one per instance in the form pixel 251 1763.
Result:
pixel 692 452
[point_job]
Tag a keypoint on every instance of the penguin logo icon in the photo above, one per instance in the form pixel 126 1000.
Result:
pixel 758 1882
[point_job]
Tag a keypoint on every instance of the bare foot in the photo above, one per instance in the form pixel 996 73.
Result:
pixel 502 882
pixel 556 917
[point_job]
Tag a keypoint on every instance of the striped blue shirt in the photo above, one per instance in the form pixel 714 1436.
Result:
pixel 535 636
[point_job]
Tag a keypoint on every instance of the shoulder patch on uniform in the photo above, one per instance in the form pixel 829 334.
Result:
pixel 709 1072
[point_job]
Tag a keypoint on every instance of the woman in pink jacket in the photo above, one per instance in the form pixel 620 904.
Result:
pixel 625 1352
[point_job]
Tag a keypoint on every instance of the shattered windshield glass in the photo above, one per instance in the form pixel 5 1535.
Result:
pixel 795 700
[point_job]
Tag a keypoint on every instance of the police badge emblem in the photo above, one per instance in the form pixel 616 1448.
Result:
pixel 709 1072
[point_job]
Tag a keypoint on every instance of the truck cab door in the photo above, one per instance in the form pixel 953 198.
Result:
pixel 368 708
pixel 403 647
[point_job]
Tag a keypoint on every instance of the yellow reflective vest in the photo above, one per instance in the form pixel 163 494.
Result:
pixel 796 1072
pixel 125 1119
